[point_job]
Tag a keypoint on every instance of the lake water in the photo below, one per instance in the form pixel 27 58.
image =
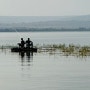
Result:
pixel 81 38
pixel 44 71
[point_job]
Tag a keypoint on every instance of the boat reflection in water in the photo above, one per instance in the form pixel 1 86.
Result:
pixel 26 57
pixel 25 49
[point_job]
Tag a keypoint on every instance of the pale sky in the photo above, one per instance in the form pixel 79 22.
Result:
pixel 44 7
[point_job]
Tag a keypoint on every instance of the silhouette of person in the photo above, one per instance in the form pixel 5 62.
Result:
pixel 22 43
pixel 29 43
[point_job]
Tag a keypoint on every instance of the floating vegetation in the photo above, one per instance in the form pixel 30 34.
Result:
pixel 67 50
pixel 6 47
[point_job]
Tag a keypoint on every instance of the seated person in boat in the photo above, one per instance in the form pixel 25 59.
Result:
pixel 22 44
pixel 29 44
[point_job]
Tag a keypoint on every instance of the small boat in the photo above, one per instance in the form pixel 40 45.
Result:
pixel 29 46
pixel 17 49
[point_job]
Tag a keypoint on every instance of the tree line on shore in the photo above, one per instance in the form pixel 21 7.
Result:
pixel 41 29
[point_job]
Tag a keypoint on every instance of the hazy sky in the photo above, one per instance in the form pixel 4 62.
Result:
pixel 44 7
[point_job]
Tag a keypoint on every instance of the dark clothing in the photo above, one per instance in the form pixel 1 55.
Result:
pixel 22 44
pixel 29 44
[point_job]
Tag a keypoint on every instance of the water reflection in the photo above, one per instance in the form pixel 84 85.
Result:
pixel 26 57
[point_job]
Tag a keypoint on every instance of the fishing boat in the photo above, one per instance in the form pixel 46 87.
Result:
pixel 17 49
pixel 29 46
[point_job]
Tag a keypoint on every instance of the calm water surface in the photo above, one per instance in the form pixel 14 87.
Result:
pixel 82 38
pixel 44 71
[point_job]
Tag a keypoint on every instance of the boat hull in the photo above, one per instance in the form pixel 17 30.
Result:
pixel 16 49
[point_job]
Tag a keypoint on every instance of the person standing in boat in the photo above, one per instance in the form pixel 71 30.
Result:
pixel 29 44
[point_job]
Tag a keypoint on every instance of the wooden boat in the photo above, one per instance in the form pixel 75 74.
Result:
pixel 17 49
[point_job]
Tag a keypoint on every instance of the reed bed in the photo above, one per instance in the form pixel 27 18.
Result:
pixel 67 50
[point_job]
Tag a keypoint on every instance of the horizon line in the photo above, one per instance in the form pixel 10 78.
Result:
pixel 44 16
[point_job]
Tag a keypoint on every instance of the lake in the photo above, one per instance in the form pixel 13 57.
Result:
pixel 81 38
pixel 44 71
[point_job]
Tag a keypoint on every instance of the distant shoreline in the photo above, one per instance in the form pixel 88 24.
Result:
pixel 43 30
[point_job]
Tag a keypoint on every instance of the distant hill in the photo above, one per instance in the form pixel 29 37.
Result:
pixel 44 22
pixel 28 19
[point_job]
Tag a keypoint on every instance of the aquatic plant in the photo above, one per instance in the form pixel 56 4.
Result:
pixel 67 50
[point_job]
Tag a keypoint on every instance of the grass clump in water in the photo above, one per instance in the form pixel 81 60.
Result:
pixel 70 49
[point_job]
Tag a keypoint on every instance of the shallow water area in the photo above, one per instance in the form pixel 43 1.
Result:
pixel 43 71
